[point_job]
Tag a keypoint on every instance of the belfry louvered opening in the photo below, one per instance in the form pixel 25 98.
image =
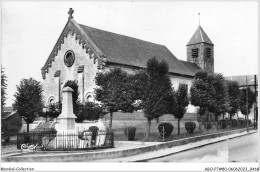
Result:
pixel 208 52
pixel 195 52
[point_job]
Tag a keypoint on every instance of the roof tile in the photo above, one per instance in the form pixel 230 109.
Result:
pixel 199 36
pixel 135 52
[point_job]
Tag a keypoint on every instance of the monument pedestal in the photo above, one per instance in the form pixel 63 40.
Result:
pixel 67 118
pixel 67 136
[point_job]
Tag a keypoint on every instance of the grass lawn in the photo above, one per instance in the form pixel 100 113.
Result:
pixel 9 146
pixel 155 137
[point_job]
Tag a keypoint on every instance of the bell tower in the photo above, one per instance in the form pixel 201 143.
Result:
pixel 200 50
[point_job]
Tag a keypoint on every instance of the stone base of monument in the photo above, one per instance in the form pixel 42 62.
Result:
pixel 71 136
pixel 72 141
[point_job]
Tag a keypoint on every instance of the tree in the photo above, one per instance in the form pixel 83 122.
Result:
pixel 221 98
pixel 153 88
pixel 29 100
pixel 90 111
pixel 209 92
pixel 75 95
pixel 114 92
pixel 182 102
pixel 54 110
pixel 201 92
pixel 246 93
pixel 77 105
pixel 3 88
pixel 234 97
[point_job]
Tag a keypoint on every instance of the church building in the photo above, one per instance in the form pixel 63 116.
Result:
pixel 82 51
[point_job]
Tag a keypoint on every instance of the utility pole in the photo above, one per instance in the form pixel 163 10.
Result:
pixel 247 105
pixel 256 108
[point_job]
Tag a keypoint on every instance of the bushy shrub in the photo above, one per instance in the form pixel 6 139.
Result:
pixel 130 132
pixel 168 128
pixel 94 130
pixel 190 127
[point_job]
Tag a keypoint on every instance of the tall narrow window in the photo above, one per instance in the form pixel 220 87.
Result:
pixel 194 52
pixel 208 52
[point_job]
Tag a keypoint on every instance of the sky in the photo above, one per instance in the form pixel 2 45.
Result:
pixel 30 29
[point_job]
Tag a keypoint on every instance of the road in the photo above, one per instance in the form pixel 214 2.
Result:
pixel 240 149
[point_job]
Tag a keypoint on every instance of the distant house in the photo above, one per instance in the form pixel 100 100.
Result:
pixel 11 122
pixel 244 80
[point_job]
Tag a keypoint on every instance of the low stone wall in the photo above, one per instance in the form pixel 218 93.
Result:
pixel 88 156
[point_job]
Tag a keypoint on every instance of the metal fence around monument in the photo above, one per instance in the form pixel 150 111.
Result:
pixel 49 141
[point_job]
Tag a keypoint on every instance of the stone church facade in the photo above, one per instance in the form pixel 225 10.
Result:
pixel 82 51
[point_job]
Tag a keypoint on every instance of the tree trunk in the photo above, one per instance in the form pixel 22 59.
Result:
pixel 148 130
pixel 27 127
pixel 207 114
pixel 178 126
pixel 230 117
pixel 223 116
pixel 110 121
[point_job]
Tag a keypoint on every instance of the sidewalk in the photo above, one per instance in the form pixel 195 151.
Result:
pixel 169 151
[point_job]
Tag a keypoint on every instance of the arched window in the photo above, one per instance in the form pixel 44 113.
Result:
pixel 51 100
pixel 89 98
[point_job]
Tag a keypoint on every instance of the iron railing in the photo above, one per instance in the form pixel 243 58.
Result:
pixel 50 141
pixel 225 124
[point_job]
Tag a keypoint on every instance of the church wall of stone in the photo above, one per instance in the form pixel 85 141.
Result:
pixel 128 69
pixel 176 80
pixel 51 83
pixel 202 61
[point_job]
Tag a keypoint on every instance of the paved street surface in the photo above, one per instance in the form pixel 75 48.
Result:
pixel 240 149
pixel 230 148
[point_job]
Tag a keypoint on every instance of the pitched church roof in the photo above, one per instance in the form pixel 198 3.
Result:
pixel 107 47
pixel 199 36
pixel 191 66
pixel 126 50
